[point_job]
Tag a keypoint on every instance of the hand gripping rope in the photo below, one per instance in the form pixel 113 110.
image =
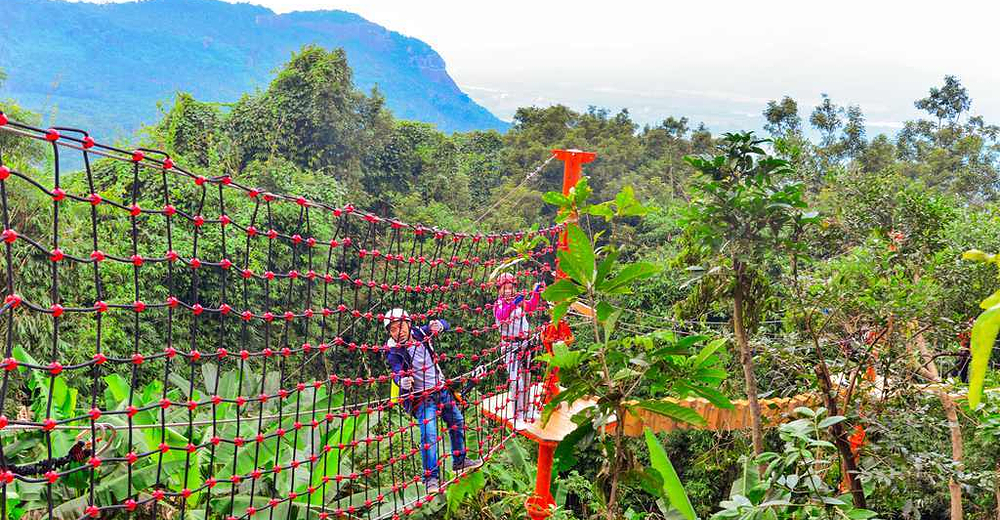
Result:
pixel 230 339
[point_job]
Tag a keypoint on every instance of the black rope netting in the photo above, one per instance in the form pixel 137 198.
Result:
pixel 187 342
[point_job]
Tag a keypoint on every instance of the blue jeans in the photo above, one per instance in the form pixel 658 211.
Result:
pixel 426 414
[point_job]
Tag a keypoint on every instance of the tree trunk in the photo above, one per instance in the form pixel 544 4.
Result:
pixel 746 358
pixel 612 511
pixel 929 370
pixel 840 433
pixel 996 488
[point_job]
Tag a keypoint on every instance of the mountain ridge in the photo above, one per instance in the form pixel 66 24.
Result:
pixel 108 65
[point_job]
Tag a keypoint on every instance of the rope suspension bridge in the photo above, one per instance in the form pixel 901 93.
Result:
pixel 248 354
pixel 282 384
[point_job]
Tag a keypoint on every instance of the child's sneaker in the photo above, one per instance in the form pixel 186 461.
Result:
pixel 433 486
pixel 466 464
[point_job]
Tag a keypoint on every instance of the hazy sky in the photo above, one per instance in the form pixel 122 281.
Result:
pixel 712 61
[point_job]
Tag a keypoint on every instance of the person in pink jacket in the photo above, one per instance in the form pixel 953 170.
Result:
pixel 511 312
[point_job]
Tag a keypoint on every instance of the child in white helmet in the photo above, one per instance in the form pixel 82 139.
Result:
pixel 511 312
pixel 410 354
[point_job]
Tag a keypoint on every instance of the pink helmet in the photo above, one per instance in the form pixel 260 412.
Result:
pixel 504 279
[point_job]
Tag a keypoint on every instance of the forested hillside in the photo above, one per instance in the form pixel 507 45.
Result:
pixel 107 66
pixel 824 266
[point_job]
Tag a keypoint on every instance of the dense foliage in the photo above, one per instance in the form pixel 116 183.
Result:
pixel 859 297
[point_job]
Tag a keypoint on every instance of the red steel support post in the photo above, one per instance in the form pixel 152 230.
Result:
pixel 540 503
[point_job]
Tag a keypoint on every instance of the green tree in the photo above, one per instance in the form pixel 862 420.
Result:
pixel 745 205
pixel 782 117
pixel 826 117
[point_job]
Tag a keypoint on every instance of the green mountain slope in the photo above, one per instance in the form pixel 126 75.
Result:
pixel 105 66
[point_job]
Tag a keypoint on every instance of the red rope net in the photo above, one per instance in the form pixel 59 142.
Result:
pixel 188 342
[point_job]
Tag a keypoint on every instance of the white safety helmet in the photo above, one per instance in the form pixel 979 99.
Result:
pixel 396 314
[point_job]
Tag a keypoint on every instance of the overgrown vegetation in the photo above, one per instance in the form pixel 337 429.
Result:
pixel 805 265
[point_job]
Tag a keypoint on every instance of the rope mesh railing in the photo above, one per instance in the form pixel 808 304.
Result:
pixel 194 343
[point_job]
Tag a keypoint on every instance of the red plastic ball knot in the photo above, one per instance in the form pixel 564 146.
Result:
pixel 165 403
pixel 137 260
pixel 9 236
pixel 52 135
pixel 3 119
pixel 137 358
pixel 98 256
pixel 252 193
pixel 7 476
pixel 172 302
pixel 272 234
pixel 227 180
pixel 100 306
pixel 158 495
pixel 301 201
pixel 3 422
pixel 94 413
pixel 4 173
pixel 57 310
pixel 169 210
pixel 138 156
pixel 131 458
pixel 138 306
pixel 168 164
pixel 51 477
pixel 171 352
pixel 197 309
pixel 195 263
pixel 131 504
pixel 94 199
pixel 55 368
pixel 100 359
pixel 94 462
pixel 199 220
pixel 199 180
pixel 224 219
pixel 48 425
pixel 58 194
pixel 224 309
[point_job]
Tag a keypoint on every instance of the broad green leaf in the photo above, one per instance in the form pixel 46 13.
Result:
pixel 578 260
pixel 329 463
pixel 559 311
pixel 747 481
pixel 708 351
pixel 673 490
pixel 561 291
pixel 990 301
pixel 466 487
pixel 861 514
pixel 581 192
pixel 984 334
pixel 830 421
pixel 628 275
pixel 606 264
pixel 602 210
pixel 672 410
pixel 978 256
pixel 714 396
pixel 562 356
pixel 604 310
pixel 556 199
